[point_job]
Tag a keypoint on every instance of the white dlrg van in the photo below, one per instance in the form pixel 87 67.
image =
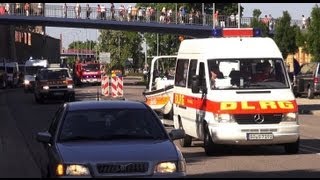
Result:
pixel 234 91
pixel 31 67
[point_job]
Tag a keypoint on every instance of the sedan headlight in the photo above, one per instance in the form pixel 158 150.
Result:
pixel 26 82
pixel 70 86
pixel 290 117
pixel 72 170
pixel 224 118
pixel 166 167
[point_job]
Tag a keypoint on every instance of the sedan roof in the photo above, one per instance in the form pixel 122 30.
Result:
pixel 108 104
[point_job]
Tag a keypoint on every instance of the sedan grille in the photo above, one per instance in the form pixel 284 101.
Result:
pixel 123 168
pixel 264 118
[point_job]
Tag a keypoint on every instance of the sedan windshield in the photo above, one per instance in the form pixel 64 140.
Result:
pixel 111 124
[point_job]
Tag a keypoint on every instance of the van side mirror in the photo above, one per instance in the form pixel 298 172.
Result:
pixel 177 134
pixel 195 86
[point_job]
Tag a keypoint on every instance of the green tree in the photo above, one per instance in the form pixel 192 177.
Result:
pixel 313 34
pixel 121 45
pixel 285 36
pixel 82 45
pixel 257 23
pixel 301 38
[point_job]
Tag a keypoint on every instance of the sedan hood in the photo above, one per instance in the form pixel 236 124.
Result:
pixel 102 151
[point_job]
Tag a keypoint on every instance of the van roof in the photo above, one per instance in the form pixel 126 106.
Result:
pixel 231 47
pixel 36 62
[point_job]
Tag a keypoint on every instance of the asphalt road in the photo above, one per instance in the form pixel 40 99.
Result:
pixel 22 156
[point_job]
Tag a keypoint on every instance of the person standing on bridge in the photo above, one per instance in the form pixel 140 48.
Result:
pixel 7 8
pixel 65 10
pixel 27 8
pixel 88 11
pixel 98 12
pixel 78 10
pixel 103 12
pixel 112 8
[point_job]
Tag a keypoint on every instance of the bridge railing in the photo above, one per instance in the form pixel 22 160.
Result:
pixel 58 11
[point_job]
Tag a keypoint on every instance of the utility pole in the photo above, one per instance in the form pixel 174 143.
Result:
pixel 157 44
pixel 239 18
pixel 203 17
pixel 213 15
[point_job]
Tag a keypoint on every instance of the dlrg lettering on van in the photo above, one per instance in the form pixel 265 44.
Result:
pixel 236 92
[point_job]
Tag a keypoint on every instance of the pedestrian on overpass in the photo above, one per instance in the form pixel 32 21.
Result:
pixel 27 8
pixel 99 12
pixel 65 10
pixel 88 11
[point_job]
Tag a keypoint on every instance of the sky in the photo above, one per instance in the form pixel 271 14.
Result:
pixel 296 10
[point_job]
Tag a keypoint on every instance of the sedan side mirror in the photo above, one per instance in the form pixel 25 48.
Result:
pixel 44 137
pixel 177 134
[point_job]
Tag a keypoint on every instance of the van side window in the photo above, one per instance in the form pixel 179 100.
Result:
pixel 192 71
pixel 181 72
pixel 202 75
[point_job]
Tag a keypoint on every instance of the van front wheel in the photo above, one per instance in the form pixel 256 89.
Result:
pixel 208 143
pixel 292 148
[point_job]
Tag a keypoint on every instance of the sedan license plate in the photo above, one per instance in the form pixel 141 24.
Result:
pixel 258 136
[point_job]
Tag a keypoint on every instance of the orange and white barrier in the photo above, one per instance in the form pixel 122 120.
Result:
pixel 105 85
pixel 116 86
pixel 120 86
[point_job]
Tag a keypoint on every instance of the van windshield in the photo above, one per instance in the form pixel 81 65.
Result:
pixel 32 70
pixel 10 70
pixel 266 73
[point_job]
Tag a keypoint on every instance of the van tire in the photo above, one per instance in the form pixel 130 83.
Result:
pixel 207 142
pixel 292 148
pixel 38 100
pixel 310 93
pixel 187 140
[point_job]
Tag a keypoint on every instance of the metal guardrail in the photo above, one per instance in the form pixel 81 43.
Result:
pixel 197 19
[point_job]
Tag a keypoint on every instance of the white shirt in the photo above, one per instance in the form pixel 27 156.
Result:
pixel 103 8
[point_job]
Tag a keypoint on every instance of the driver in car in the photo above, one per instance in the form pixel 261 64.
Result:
pixel 265 72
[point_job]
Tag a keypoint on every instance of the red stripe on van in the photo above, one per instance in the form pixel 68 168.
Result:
pixel 234 107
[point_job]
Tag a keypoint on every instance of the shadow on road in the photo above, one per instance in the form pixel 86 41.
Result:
pixel 256 174
pixel 308 108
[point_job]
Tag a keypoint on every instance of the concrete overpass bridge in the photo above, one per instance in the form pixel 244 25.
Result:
pixel 187 25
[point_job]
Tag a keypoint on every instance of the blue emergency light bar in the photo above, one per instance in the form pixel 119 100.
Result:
pixel 236 32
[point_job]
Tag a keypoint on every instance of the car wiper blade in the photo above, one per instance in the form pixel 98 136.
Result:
pixel 131 136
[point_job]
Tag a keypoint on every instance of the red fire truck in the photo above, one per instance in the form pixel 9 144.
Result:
pixel 87 73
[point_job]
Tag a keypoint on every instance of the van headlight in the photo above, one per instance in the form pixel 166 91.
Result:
pixel 224 118
pixel 70 86
pixel 289 117
pixel 26 82
pixel 72 170
pixel 45 87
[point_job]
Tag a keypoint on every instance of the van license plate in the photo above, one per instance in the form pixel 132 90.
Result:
pixel 58 93
pixel 256 136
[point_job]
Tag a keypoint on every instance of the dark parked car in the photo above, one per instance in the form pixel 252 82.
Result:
pixel 111 139
pixel 307 81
